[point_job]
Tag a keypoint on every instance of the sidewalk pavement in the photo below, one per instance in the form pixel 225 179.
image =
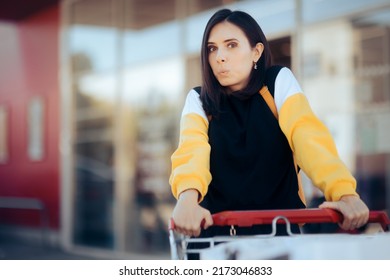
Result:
pixel 15 248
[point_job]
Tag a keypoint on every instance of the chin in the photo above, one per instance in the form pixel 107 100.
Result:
pixel 225 83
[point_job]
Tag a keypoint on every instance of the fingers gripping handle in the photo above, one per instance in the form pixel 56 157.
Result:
pixel 171 225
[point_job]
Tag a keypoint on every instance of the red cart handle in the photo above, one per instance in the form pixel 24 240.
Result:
pixel 294 216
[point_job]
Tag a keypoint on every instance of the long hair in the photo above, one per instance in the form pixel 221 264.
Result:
pixel 212 92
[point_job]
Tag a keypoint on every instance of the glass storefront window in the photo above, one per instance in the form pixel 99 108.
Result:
pixel 93 60
pixel 152 92
pixel 128 75
pixel 372 83
pixel 152 89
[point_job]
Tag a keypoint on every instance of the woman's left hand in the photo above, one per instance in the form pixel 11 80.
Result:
pixel 354 210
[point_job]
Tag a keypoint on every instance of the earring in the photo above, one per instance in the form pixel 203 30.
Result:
pixel 255 65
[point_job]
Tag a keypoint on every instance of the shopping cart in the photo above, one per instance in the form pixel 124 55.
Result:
pixel 292 246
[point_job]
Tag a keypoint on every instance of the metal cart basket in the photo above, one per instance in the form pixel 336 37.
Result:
pixel 293 246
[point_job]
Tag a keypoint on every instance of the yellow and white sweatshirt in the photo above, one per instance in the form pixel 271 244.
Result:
pixel 242 160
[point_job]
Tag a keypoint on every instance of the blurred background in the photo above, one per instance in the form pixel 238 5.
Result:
pixel 91 93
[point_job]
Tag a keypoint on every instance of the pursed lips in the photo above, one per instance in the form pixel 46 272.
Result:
pixel 223 72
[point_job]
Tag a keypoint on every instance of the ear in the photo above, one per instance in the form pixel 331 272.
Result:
pixel 258 51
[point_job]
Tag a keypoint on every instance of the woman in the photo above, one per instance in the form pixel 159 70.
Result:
pixel 233 154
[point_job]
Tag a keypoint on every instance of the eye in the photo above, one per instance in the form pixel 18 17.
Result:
pixel 232 45
pixel 211 48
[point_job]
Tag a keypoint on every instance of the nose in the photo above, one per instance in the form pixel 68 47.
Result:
pixel 221 57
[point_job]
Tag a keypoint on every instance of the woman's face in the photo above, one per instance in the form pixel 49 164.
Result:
pixel 231 57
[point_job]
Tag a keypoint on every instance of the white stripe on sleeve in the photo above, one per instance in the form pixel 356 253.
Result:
pixel 286 85
pixel 193 104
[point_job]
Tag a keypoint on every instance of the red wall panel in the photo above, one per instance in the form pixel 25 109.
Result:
pixel 29 55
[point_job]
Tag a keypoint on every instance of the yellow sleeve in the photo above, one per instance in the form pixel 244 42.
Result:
pixel 314 149
pixel 191 160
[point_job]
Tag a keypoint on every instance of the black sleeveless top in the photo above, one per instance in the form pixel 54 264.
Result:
pixel 251 161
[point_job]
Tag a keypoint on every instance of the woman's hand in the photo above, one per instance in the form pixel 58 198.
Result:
pixel 188 214
pixel 354 210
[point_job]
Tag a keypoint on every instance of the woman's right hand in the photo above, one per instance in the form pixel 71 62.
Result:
pixel 188 214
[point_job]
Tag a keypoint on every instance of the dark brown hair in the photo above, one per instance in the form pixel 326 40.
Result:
pixel 212 92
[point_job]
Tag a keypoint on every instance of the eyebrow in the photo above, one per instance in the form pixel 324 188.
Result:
pixel 225 41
